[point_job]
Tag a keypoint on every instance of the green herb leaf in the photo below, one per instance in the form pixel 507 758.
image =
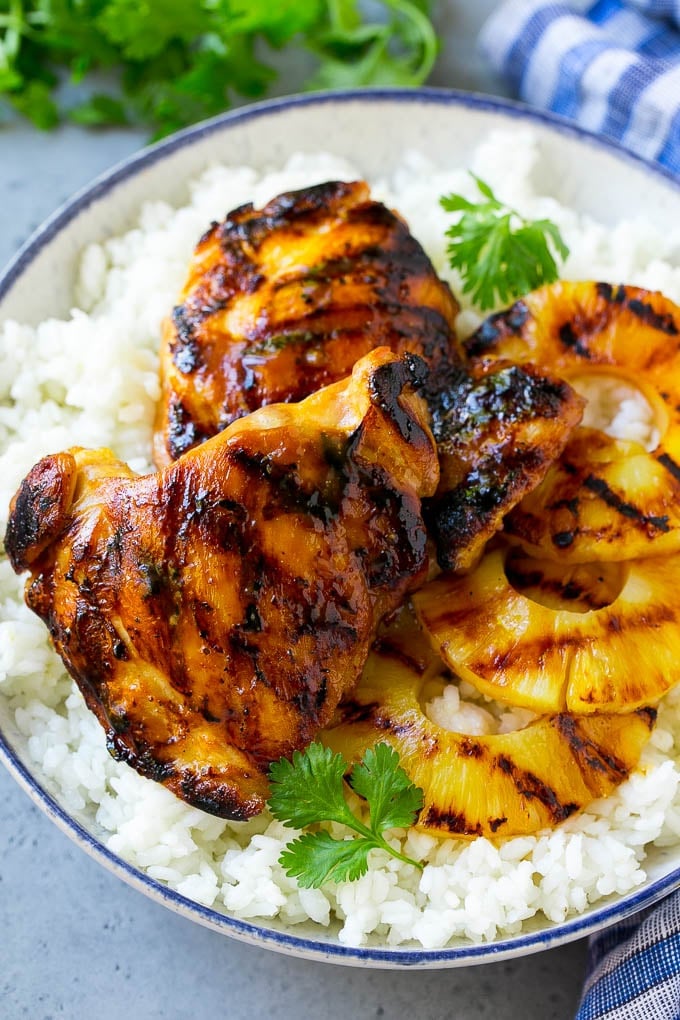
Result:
pixel 309 789
pixel 176 61
pixel 143 30
pixel 380 780
pixel 100 109
pixel 315 858
pixel 500 254
pixel 400 49
pixel 35 102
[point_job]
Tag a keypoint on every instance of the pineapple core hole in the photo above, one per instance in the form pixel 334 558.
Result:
pixel 577 587
pixel 618 407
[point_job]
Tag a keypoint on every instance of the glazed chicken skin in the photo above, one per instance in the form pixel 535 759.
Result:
pixel 499 427
pixel 215 613
pixel 284 300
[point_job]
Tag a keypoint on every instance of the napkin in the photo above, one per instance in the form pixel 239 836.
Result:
pixel 612 66
pixel 634 968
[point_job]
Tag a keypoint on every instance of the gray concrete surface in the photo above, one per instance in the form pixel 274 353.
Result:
pixel 76 942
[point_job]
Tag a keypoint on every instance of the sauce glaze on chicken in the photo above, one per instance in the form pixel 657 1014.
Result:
pixel 284 300
pixel 215 613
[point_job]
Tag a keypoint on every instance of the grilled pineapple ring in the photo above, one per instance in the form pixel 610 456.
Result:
pixel 614 657
pixel 496 786
pixel 604 499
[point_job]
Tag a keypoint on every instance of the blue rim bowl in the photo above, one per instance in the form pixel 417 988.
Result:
pixel 256 118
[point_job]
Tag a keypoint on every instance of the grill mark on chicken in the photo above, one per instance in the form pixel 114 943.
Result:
pixel 39 508
pixel 143 763
pixel 214 614
pixel 207 794
pixel 284 300
pixel 498 429
pixel 186 351
pixel 385 390
pixel 182 430
pixel 495 327
pixel 308 206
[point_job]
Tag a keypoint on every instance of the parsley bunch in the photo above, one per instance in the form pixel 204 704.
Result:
pixel 309 789
pixel 172 62
pixel 500 254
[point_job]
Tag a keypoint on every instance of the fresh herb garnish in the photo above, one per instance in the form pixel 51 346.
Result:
pixel 500 254
pixel 309 789
pixel 172 62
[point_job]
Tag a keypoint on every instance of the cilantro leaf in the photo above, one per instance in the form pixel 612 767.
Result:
pixel 500 254
pixel 380 779
pixel 309 789
pixel 173 62
pixel 315 858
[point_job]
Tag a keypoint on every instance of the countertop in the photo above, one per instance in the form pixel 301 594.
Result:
pixel 78 943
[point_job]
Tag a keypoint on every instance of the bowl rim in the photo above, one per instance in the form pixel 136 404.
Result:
pixel 150 154
pixel 556 934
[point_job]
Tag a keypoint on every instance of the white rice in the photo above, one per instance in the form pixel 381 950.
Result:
pixel 92 381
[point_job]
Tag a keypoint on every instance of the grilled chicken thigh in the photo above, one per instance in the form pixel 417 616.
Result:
pixel 284 300
pixel 214 614
pixel 498 428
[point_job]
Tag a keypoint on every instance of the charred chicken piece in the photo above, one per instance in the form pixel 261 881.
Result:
pixel 498 428
pixel 214 614
pixel 284 300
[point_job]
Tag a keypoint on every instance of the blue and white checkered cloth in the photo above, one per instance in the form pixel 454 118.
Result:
pixel 612 66
pixel 634 968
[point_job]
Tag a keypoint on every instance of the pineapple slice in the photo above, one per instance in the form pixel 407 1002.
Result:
pixel 593 640
pixel 498 785
pixel 605 499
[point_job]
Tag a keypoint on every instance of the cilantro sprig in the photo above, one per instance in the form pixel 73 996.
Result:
pixel 310 789
pixel 500 254
pixel 168 63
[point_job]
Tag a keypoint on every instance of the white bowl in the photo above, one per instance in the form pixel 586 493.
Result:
pixel 370 128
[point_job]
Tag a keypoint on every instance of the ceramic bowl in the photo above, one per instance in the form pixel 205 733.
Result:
pixel 370 129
